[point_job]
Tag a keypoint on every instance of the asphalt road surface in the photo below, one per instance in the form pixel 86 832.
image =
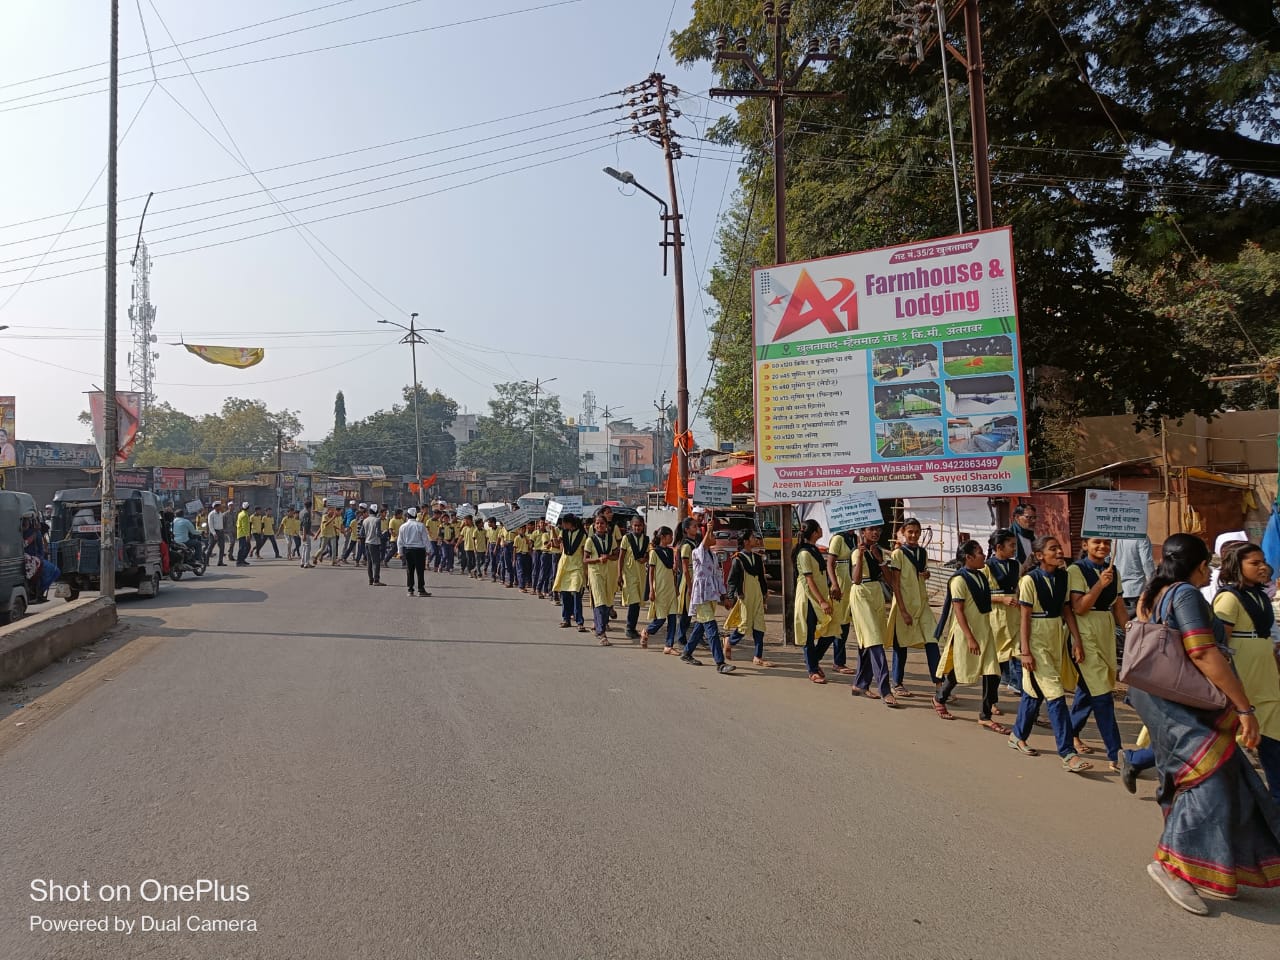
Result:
pixel 456 777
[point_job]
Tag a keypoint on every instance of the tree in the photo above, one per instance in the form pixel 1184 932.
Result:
pixel 503 437
pixel 237 441
pixel 1190 85
pixel 388 438
pixel 339 413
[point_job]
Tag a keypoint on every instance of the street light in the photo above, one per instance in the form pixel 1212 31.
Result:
pixel 413 338
pixel 533 422
pixel 682 371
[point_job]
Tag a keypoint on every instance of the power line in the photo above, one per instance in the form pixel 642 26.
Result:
pixel 7 106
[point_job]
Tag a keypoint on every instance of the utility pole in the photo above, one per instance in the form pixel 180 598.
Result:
pixel 413 338
pixel 107 538
pixel 533 425
pixel 652 102
pixel 916 23
pixel 660 436
pixel 778 89
pixel 279 469
pixel 608 456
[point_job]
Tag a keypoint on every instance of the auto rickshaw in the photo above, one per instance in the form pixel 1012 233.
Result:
pixel 77 533
pixel 14 597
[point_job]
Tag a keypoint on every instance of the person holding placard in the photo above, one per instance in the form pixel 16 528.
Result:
pixel 708 590
pixel 689 535
pixel 812 616
pixel 664 601
pixel 840 577
pixel 968 652
pixel 1006 616
pixel 912 624
pixel 570 576
pixel 1099 609
pixel 872 573
pixel 633 559
pixel 1046 614
pixel 538 542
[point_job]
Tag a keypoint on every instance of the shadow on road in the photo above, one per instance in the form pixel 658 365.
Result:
pixel 175 596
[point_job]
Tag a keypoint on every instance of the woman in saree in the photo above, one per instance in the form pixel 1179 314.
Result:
pixel 1221 830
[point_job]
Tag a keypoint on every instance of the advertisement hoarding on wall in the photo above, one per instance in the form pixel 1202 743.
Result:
pixel 897 368
pixel 8 432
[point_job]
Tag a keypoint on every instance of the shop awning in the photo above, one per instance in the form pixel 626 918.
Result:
pixel 1221 479
pixel 743 476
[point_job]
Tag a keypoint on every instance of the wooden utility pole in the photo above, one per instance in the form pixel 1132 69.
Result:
pixel 778 89
pixel 110 422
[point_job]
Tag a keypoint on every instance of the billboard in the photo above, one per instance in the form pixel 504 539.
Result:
pixel 898 369
pixel 128 416
pixel 8 432
pixel 34 453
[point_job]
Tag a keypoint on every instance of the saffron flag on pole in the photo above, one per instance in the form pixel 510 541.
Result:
pixel 239 357
pixel 429 482
pixel 674 493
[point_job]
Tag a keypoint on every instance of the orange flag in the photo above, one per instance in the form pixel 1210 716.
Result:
pixel 674 493
pixel 429 482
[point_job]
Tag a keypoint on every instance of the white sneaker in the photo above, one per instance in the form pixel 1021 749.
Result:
pixel 1179 891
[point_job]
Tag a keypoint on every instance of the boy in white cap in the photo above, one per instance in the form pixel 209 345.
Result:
pixel 412 541
pixel 217 533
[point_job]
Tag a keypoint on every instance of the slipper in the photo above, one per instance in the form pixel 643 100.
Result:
pixel 756 661
pixel 667 650
pixel 941 710
pixel 891 703
pixel 1073 764
pixel 845 670
pixel 1022 748
pixel 604 642
pixel 564 625
pixel 583 630
pixel 994 727
pixel 1084 748
pixel 817 678
pixel 644 643
pixel 996 711
pixel 902 692
pixel 871 694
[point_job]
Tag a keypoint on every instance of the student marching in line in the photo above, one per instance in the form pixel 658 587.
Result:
pixel 840 581
pixel 1245 612
pixel 570 578
pixel 1093 584
pixel 748 587
pixel 522 544
pixel 508 546
pixel 537 542
pixel 1006 615
pixel 813 612
pixel 684 573
pixel 289 527
pixel 269 533
pixel 707 591
pixel 551 545
pixel 255 532
pixel 918 627
pixel 467 533
pixel 664 603
pixel 599 561
pixel 871 573
pixel 633 559
pixel 968 653
pixel 1047 621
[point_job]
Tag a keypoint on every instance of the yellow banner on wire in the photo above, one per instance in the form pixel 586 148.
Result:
pixel 240 357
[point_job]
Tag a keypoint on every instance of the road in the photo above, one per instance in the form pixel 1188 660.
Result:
pixel 456 777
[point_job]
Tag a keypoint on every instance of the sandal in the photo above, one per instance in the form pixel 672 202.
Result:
pixel 1073 764
pixel 891 703
pixel 1083 748
pixel 758 662
pixel 994 727
pixel 902 693
pixel 871 694
pixel 583 630
pixel 667 650
pixel 996 711
pixel 604 642
pixel 941 710
pixel 644 643
pixel 1022 748
pixel 847 671
pixel 817 678
pixel 564 625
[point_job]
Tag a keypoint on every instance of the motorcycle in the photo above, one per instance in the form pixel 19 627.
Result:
pixel 189 557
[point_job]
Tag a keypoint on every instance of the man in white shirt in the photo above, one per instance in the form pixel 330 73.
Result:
pixel 412 542
pixel 217 532
pixel 371 529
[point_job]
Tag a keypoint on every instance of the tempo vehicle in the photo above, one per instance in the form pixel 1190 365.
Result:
pixel 76 537
pixel 13 578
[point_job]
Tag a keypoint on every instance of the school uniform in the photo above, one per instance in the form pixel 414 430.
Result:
pixel 1249 613
pixel 970 591
pixel 537 542
pixel 268 529
pixel 507 543
pixel 707 591
pixel 601 578
pixel 684 585
pixel 748 586
pixel 634 556
pixel 1045 594
pixel 522 548
pixel 866 607
pixel 841 549
pixel 570 576
pixel 664 600
pixel 1097 672
pixel 1006 619
pixel 813 625
pixel 912 562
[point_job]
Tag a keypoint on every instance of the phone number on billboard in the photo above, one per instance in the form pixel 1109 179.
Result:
pixel 973 488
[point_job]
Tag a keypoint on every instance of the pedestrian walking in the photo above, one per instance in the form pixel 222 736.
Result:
pixel 1006 615
pixel 708 591
pixel 255 531
pixel 1094 586
pixel 814 612
pixel 411 540
pixel 749 588
pixel 217 533
pixel 968 652
pixel 601 575
pixel 872 573
pixel 244 528
pixel 269 533
pixel 304 534
pixel 570 576
pixel 372 531
pixel 912 624
pixel 633 571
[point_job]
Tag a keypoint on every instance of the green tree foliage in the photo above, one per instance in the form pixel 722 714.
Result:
pixel 235 442
pixel 503 437
pixel 1192 87
pixel 339 413
pixel 388 438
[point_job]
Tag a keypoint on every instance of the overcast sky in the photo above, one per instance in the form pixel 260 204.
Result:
pixel 545 272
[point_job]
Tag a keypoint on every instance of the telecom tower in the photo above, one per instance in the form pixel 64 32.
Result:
pixel 142 318
pixel 588 409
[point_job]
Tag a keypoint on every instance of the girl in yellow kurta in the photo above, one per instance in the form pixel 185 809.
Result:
pixel 917 628
pixel 968 652
pixel 597 556
pixel 570 577
pixel 871 573
pixel 840 578
pixel 1047 620
pixel 1245 612
pixel 633 573
pixel 748 586
pixel 1006 618
pixel 812 616
pixel 664 604
pixel 1099 609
